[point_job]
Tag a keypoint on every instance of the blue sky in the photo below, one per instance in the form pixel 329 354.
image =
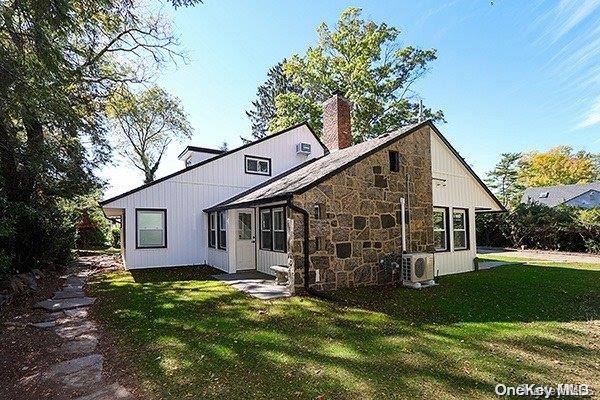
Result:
pixel 512 76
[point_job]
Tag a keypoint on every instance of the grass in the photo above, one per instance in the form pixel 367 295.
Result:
pixel 189 337
pixel 545 263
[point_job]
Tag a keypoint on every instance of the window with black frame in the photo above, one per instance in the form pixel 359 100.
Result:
pixel 266 239
pixel 212 230
pixel 440 229
pixel 460 229
pixel 222 218
pixel 272 229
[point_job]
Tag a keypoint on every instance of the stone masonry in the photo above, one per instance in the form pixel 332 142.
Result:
pixel 360 217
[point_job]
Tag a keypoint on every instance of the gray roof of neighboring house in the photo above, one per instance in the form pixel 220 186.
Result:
pixel 313 172
pixel 555 195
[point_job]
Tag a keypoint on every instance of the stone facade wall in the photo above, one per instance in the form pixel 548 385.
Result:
pixel 360 220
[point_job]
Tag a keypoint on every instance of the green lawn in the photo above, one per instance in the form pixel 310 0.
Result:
pixel 186 337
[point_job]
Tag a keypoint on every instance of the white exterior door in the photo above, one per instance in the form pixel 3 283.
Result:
pixel 245 241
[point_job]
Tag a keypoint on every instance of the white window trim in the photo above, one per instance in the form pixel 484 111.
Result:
pixel 444 212
pixel 464 212
pixel 258 161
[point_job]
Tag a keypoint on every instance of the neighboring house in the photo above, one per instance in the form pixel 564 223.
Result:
pixel 257 205
pixel 585 195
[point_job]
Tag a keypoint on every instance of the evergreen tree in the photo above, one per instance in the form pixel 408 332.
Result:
pixel 504 179
pixel 263 108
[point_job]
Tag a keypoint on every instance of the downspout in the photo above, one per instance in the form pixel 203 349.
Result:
pixel 306 239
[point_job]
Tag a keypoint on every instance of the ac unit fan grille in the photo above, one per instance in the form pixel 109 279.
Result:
pixel 420 267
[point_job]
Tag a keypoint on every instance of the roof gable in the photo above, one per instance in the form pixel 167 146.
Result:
pixel 307 176
pixel 210 160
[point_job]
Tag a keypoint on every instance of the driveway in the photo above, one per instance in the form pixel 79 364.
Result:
pixel 555 256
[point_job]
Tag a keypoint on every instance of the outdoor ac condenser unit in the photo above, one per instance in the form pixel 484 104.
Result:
pixel 303 148
pixel 417 269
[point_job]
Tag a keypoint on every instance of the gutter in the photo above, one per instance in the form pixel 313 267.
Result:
pixel 305 244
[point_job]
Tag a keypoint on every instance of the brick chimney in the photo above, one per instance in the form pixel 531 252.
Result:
pixel 337 132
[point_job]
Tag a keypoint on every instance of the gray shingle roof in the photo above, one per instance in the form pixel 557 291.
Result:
pixel 297 179
pixel 555 195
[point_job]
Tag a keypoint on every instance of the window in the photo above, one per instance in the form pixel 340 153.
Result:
pixel 244 225
pixel 265 229
pixel 212 230
pixel 258 165
pixel 151 228
pixel 278 230
pixel 222 222
pixel 460 227
pixel 394 161
pixel 318 208
pixel 440 229
pixel 272 229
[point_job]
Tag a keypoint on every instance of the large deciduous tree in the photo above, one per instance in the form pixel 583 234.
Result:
pixel 146 123
pixel 59 62
pixel 504 179
pixel 366 62
pixel 559 166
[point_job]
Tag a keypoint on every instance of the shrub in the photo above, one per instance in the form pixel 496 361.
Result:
pixel 542 227
pixel 115 236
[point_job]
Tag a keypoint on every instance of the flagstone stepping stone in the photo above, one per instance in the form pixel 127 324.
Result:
pixel 72 288
pixel 64 304
pixel 83 344
pixel 75 280
pixel 45 324
pixel 68 294
pixel 77 312
pixel 111 392
pixel 78 372
pixel 72 331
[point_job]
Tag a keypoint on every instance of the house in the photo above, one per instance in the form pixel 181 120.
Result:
pixel 258 205
pixel 586 195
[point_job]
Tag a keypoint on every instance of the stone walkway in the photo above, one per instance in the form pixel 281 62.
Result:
pixel 67 316
pixel 256 284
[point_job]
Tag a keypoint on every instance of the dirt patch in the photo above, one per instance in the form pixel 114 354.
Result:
pixel 32 353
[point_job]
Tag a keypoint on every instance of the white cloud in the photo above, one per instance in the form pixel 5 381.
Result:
pixel 592 117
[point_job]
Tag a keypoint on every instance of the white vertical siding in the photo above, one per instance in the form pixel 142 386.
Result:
pixel 268 258
pixel 186 195
pixel 454 186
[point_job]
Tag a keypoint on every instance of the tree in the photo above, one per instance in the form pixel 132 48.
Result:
pixel 559 166
pixel 146 123
pixel 224 146
pixel 59 62
pixel 365 61
pixel 264 108
pixel 504 179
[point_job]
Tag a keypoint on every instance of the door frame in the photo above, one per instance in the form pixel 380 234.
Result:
pixel 254 251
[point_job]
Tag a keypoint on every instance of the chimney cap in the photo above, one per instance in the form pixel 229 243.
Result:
pixel 338 92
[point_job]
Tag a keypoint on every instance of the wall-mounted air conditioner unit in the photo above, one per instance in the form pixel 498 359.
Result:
pixel 303 148
pixel 417 270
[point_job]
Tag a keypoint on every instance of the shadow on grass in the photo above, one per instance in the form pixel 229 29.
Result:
pixel 190 338
pixel 174 274
pixel 519 293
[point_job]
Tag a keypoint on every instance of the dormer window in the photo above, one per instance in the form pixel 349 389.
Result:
pixel 257 165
